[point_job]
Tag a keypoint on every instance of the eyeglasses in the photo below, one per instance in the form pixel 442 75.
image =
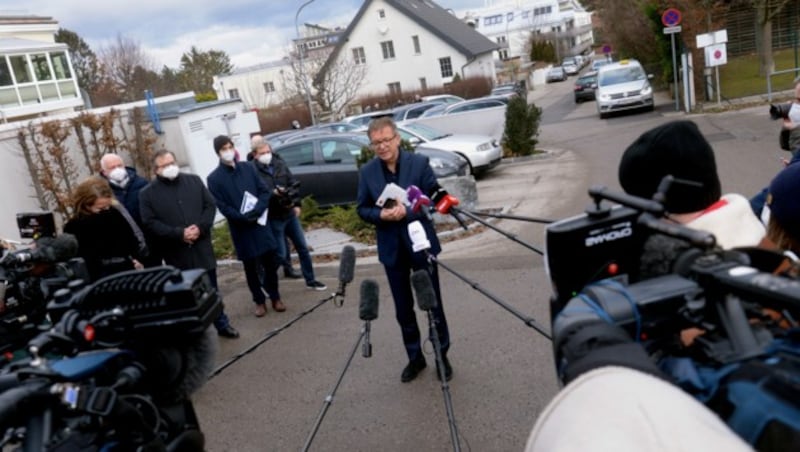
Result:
pixel 379 143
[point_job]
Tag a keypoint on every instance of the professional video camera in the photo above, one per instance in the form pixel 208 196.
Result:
pixel 288 195
pixel 721 325
pixel 116 370
pixel 779 111
pixel 29 277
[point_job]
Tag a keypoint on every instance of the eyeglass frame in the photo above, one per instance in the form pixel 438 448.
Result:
pixel 377 144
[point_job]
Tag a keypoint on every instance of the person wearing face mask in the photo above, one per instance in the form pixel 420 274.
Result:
pixel 126 185
pixel 178 211
pixel 284 209
pixel 242 198
pixel 107 240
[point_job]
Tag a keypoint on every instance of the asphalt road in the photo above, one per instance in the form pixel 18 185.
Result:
pixel 503 373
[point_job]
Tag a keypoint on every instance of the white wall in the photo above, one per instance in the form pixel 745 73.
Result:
pixel 250 84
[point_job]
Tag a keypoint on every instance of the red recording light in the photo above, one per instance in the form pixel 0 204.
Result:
pixel 613 269
pixel 88 333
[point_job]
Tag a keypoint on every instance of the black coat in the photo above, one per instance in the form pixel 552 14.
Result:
pixel 169 206
pixel 277 174
pixel 129 195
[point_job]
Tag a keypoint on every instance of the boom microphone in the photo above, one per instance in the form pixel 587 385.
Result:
pixel 423 290
pixel 347 264
pixel 367 311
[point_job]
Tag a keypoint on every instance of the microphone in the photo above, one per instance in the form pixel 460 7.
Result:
pixel 419 240
pixel 418 200
pixel 347 264
pixel 48 250
pixel 423 290
pixel 368 311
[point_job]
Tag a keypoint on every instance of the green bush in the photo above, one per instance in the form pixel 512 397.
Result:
pixel 522 127
pixel 221 241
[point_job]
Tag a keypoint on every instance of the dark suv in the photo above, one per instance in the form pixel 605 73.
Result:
pixel 585 86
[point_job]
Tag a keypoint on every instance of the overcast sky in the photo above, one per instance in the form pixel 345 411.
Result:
pixel 250 31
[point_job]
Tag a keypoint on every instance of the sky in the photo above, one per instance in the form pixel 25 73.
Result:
pixel 250 31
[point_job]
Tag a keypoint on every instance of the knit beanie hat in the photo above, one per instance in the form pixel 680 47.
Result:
pixel 676 148
pixel 220 141
pixel 784 199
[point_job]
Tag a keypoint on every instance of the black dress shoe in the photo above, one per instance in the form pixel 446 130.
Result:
pixel 229 332
pixel 448 369
pixel 412 370
pixel 291 273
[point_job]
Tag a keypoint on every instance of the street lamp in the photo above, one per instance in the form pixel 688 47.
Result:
pixel 302 69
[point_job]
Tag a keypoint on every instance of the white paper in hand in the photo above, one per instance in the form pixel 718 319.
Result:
pixel 392 191
pixel 249 203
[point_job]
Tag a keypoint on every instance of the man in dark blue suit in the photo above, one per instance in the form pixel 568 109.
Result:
pixel 391 220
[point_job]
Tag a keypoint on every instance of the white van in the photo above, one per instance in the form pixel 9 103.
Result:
pixel 623 86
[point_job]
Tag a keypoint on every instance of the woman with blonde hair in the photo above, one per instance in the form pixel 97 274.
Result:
pixel 108 239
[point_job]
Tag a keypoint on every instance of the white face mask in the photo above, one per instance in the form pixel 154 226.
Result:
pixel 227 156
pixel 265 158
pixel 118 174
pixel 170 172
pixel 794 113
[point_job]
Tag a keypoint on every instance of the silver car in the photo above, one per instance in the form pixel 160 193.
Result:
pixel 482 152
pixel 623 86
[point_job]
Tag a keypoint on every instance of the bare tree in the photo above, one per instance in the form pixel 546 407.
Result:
pixel 766 11
pixel 337 82
pixel 125 64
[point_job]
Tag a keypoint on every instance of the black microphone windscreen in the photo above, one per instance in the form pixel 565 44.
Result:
pixel 347 264
pixel 423 290
pixel 368 306
pixel 65 247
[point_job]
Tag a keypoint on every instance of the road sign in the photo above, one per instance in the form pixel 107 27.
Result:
pixel 716 55
pixel 606 48
pixel 672 30
pixel 715 37
pixel 671 17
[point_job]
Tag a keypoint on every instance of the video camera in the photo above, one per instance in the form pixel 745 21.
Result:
pixel 742 358
pixel 779 111
pixel 288 195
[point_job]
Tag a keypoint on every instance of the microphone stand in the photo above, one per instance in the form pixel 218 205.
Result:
pixel 448 402
pixel 329 398
pixel 269 336
pixel 529 321
pixel 509 217
pixel 511 236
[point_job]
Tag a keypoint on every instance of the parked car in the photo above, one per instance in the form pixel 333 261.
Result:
pixel 600 62
pixel 325 165
pixel 467 105
pixel 482 152
pixel 364 118
pixel 555 74
pixel 334 127
pixel 415 110
pixel 585 86
pixel 570 68
pixel 623 86
pixel 446 98
pixel 508 90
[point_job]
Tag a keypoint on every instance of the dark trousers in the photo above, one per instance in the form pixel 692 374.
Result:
pixel 269 261
pixel 222 320
pixel 399 277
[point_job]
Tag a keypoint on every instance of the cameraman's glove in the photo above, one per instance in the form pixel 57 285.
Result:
pixel 581 347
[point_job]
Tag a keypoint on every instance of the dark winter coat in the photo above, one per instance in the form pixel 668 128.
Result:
pixel 129 195
pixel 228 184
pixel 277 175
pixel 106 241
pixel 167 208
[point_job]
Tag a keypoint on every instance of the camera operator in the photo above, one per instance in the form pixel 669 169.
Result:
pixel 783 202
pixel 695 200
pixel 284 209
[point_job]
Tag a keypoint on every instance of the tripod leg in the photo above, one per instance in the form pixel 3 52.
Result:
pixel 448 402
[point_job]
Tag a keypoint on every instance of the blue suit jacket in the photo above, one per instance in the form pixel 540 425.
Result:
pixel 412 170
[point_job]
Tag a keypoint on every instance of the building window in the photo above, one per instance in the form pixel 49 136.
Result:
pixel 382 14
pixel 543 10
pixel 233 93
pixel 503 54
pixel 501 39
pixel 415 41
pixel 394 88
pixel 423 84
pixel 22 71
pixel 491 20
pixel 388 50
pixel 60 65
pixel 5 72
pixel 41 68
pixel 509 17
pixel 446 66
pixel 359 57
pixel 269 87
pixel 525 14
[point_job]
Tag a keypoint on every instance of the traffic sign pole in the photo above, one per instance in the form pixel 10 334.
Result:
pixel 671 18
pixel 675 73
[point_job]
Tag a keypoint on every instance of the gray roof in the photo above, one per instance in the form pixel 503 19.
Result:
pixel 9 45
pixel 431 17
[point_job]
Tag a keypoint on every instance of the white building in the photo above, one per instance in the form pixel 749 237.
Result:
pixel 511 23
pixel 36 75
pixel 412 45
pixel 258 86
